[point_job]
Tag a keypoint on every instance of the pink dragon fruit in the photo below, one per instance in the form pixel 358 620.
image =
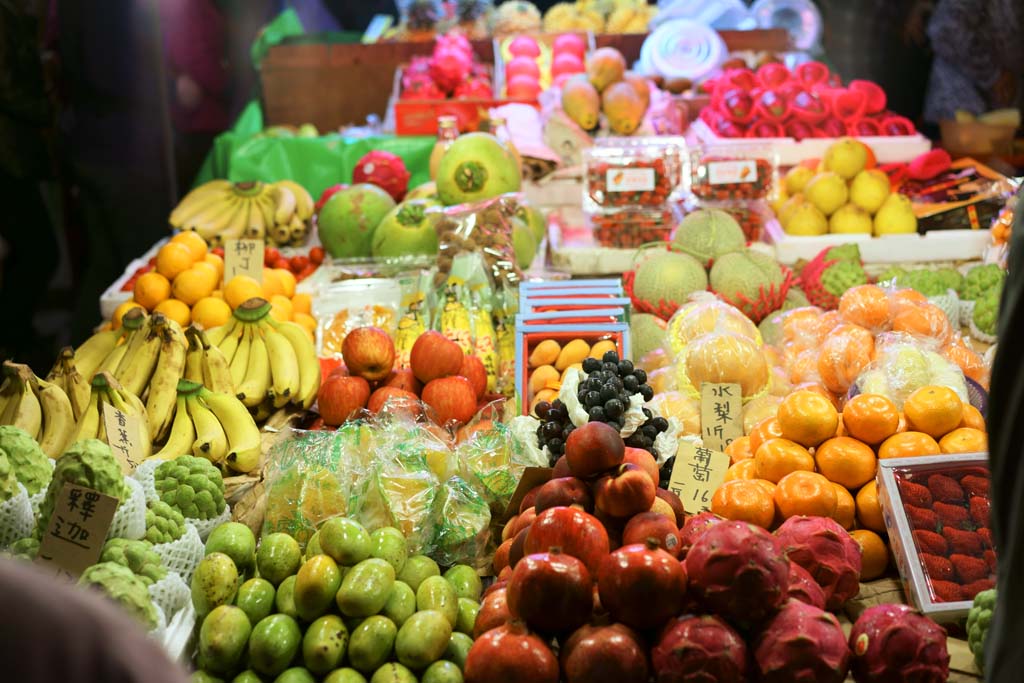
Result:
pixel 473 89
pixel 455 41
pixel 802 644
pixel 385 170
pixel 894 643
pixel 829 554
pixel 699 650
pixel 804 588
pixel 694 528
pixel 449 67
pixel 737 570
pixel 418 66
pixel 420 88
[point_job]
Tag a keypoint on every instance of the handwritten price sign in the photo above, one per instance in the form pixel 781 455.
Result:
pixel 77 530
pixel 124 435
pixel 243 257
pixel 696 475
pixel 721 414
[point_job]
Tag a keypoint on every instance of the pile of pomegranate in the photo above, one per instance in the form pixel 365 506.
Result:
pixel 602 578
pixel 451 71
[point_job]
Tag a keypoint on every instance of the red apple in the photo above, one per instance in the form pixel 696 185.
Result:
pixel 385 394
pixel 645 461
pixel 625 492
pixel 564 491
pixel 594 448
pixel 340 396
pixel 435 355
pixel 675 503
pixel 452 398
pixel 655 526
pixel 662 508
pixel 340 371
pixel 369 353
pixel 473 370
pixel 405 380
pixel 561 468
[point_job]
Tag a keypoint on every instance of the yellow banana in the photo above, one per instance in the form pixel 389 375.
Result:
pixel 76 386
pixel 216 371
pixel 218 334
pixel 235 229
pixel 303 200
pixel 197 199
pixel 257 226
pixel 253 388
pixel 297 229
pixel 136 368
pixel 265 203
pixel 305 354
pixel 456 323
pixel 229 345
pixel 58 418
pixel 193 357
pixel 284 366
pixel 240 361
pixel 211 441
pixel 210 224
pixel 284 203
pixel 163 385
pixel 244 443
pixel 8 398
pixel 93 350
pixel 281 233
pixel 182 436
pixel 88 426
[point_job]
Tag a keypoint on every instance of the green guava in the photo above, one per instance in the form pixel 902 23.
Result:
pixel 347 221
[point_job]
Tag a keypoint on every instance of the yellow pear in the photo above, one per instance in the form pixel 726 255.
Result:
pixel 846 157
pixel 827 191
pixel 797 178
pixel 788 206
pixel 869 189
pixel 806 220
pixel 896 217
pixel 850 220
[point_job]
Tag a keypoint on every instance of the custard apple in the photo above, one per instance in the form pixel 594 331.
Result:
pixel 121 585
pixel 981 279
pixel 87 463
pixel 31 466
pixel 951 279
pixel 163 523
pixel 25 549
pixel 192 486
pixel 986 311
pixel 979 619
pixel 137 556
pixel 8 482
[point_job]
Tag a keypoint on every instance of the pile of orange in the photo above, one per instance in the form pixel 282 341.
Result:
pixel 186 285
pixel 812 459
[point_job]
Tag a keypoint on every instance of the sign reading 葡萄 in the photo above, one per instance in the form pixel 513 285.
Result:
pixel 77 530
pixel 243 257
pixel 721 414
pixel 696 475
pixel 124 435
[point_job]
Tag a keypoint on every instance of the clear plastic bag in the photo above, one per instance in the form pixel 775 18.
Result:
pixel 409 492
pixel 733 172
pixel 483 227
pixel 636 173
pixel 464 528
pixel 343 306
pixel 705 313
pixel 492 461
pixel 904 364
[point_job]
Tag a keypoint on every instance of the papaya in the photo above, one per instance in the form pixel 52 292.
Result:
pixel 581 102
pixel 639 84
pixel 623 107
pixel 605 66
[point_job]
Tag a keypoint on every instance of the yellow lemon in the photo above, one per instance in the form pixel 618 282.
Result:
pixel 287 280
pixel 195 243
pixel 281 307
pixel 175 310
pixel 193 285
pixel 150 289
pixel 210 312
pixel 240 289
pixel 306 321
pixel 302 303
pixel 173 258
pixel 271 283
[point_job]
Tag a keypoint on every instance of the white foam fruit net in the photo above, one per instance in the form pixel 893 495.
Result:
pixel 16 518
pixel 205 526
pixel 145 475
pixel 183 555
pixel 130 518
pixel 170 593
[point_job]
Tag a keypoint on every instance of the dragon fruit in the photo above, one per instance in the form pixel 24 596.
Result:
pixel 737 570
pixel 828 553
pixel 421 87
pixel 453 40
pixel 700 649
pixel 694 528
pixel 418 68
pixel 804 588
pixel 449 66
pixel 474 88
pixel 385 170
pixel 802 644
pixel 895 643
pixel 830 273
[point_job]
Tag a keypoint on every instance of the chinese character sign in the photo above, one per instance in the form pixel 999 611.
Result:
pixel 124 435
pixel 243 257
pixel 696 475
pixel 77 530
pixel 721 414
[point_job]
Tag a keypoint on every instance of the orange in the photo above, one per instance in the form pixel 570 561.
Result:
pixel 846 461
pixel 744 469
pixel 845 352
pixel 175 310
pixel 240 289
pixel 934 410
pixel 867 306
pixel 872 418
pixel 904 296
pixel 271 283
pixel 739 449
pixel 287 281
pixel 217 294
pixel 115 319
pixel 869 511
pixel 766 429
pixel 194 242
pixel 302 303
pixel 308 322
pixel 210 269
pixel 745 501
pixel 150 289
pixel 281 307
pixel 174 258
pixel 874 556
pixel 968 361
pixel 923 320
pixel 776 458
pixel 807 418
pixel 210 312
pixel 804 367
pixel 964 440
pixel 972 418
pixel 908 445
pixel 194 284
pixel 805 493
pixel 217 262
pixel 846 507
pixel 800 326
pixel 766 485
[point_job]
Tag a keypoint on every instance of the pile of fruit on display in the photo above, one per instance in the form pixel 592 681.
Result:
pixel 533 65
pixel 354 606
pixel 807 102
pixel 600 560
pixel 606 88
pixel 452 71
pixel 843 193
pixel 220 210
pixel 600 16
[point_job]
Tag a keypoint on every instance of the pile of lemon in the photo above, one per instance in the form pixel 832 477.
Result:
pixel 187 286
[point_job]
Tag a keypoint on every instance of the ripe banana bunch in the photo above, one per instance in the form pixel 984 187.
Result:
pixel 204 362
pixel 212 425
pixel 271 363
pixel 36 406
pixel 106 390
pixel 631 19
pixel 220 210
pixel 66 375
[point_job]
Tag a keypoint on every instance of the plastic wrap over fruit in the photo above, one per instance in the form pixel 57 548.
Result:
pixel 405 495
pixel 903 364
pixel 486 227
pixel 681 407
pixel 492 461
pixel 705 313
pixel 723 356
pixel 464 526
pixel 844 354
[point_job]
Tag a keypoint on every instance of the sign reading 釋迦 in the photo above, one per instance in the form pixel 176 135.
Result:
pixel 124 435
pixel 243 257
pixel 696 475
pixel 77 530
pixel 721 414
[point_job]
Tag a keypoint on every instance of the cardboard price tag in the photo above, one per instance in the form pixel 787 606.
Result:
pixel 721 414
pixel 124 435
pixel 77 530
pixel 243 257
pixel 696 475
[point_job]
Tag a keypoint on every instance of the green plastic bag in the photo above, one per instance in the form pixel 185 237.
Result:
pixel 284 25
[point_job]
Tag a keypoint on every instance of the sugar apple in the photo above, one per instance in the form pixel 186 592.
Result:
pixel 891 275
pixel 981 279
pixel 163 523
pixel 8 482
pixel 986 311
pixel 87 463
pixel 192 486
pixel 951 279
pixel 121 585
pixel 25 549
pixel 138 556
pixel 31 466
pixel 925 281
pixel 978 621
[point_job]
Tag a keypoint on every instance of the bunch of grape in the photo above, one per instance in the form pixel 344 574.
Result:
pixel 604 394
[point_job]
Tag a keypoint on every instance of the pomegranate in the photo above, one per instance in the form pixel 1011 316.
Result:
pixel 564 491
pixel 641 585
pixel 654 526
pixel 494 612
pixel 510 653
pixel 604 654
pixel 625 492
pixel 700 650
pixel 593 448
pixel 523 520
pixel 574 531
pixel 551 592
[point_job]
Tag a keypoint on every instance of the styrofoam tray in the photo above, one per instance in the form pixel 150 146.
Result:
pixel 887 149
pixel 937 245
pixel 113 296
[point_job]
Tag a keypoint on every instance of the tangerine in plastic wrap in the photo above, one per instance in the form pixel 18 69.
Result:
pixel 846 351
pixel 969 362
pixel 801 328
pixel 923 320
pixel 868 306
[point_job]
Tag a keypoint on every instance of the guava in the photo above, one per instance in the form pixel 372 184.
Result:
pixel 476 167
pixel 347 221
pixel 534 219
pixel 523 243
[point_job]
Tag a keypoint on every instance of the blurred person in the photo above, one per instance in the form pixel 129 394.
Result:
pixel 53 631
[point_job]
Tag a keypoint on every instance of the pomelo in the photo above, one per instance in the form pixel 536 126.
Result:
pixel 534 218
pixel 523 243
pixel 407 230
pixel 477 166
pixel 347 221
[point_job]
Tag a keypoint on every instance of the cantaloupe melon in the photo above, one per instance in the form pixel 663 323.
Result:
pixel 707 234
pixel 648 333
pixel 668 277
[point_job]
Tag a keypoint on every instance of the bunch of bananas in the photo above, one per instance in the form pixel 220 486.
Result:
pixel 205 364
pixel 570 16
pixel 66 375
pixel 38 407
pixel 271 363
pixel 212 425
pixel 631 17
pixel 107 390
pixel 221 210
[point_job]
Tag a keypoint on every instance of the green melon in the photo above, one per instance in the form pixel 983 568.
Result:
pixel 669 276
pixel 647 332
pixel 707 234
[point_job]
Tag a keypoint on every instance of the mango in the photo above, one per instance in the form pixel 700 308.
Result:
pixel 273 644
pixel 285 598
pixel 437 594
pixel 393 672
pixel 316 584
pixel 605 66
pixel 366 588
pixel 324 645
pixel 345 675
pixel 237 542
pixel 345 540
pixel 423 639
pixel 388 544
pixel 401 603
pixel 371 643
pixel 278 557
pixel 465 581
pixel 545 353
pixel 223 637
pixel 466 620
pixel 458 649
pixel 296 674
pixel 442 672
pixel 256 598
pixel 247 676
pixel 214 583
pixel 573 352
pixel 416 569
